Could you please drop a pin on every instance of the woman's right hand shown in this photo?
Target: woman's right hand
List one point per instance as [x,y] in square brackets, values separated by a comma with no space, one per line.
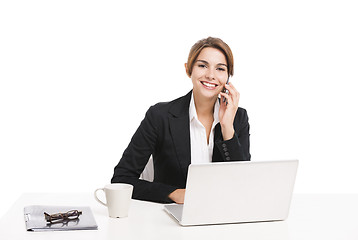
[178,196]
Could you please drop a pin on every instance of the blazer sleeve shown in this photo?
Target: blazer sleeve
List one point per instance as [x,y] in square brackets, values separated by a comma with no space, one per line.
[134,160]
[238,147]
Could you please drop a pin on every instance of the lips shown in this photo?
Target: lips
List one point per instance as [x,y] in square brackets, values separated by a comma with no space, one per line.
[209,85]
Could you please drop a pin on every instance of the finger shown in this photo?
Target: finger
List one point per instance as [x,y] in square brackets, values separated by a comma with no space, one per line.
[222,102]
[232,100]
[235,94]
[230,87]
[228,98]
[231,92]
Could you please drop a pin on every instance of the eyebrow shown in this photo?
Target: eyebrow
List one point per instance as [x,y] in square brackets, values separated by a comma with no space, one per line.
[220,64]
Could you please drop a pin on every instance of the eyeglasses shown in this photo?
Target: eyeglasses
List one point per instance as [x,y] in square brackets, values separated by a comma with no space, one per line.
[60,217]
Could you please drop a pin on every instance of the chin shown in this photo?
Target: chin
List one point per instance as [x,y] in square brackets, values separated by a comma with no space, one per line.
[209,94]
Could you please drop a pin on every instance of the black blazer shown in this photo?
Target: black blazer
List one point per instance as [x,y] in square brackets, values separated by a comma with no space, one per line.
[164,133]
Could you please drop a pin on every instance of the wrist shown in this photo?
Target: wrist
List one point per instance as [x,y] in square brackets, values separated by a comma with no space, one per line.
[227,133]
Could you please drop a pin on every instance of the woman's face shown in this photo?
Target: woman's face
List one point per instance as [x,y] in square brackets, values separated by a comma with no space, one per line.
[209,73]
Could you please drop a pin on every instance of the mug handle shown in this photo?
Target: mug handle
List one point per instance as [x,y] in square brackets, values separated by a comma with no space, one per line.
[95,196]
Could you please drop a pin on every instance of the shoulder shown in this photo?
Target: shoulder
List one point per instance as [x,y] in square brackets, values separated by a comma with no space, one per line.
[175,107]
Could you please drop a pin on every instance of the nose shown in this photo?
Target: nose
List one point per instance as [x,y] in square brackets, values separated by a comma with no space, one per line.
[210,73]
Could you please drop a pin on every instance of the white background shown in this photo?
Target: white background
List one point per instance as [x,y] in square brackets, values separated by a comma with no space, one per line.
[78,76]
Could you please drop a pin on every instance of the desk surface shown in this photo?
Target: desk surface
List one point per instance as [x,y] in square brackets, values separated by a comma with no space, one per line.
[311,217]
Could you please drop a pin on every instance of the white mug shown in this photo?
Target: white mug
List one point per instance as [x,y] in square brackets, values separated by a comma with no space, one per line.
[118,196]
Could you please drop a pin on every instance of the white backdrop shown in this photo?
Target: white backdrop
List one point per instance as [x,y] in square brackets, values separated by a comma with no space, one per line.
[78,76]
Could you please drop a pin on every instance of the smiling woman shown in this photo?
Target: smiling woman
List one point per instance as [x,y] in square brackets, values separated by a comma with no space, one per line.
[193,129]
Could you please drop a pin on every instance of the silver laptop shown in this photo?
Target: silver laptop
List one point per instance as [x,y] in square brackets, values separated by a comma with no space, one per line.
[236,192]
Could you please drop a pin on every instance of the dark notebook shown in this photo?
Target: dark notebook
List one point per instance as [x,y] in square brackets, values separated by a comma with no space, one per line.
[35,218]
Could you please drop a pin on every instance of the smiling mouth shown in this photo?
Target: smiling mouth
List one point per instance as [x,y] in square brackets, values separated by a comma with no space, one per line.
[209,85]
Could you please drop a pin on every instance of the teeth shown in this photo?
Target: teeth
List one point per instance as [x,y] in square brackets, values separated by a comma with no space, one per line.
[208,84]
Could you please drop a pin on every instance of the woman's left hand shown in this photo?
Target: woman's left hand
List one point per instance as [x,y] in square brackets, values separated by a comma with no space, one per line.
[228,110]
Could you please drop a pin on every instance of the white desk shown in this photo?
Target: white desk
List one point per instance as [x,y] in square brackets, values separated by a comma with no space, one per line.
[311,217]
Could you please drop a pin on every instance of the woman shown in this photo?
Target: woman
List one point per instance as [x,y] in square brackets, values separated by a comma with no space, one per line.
[195,128]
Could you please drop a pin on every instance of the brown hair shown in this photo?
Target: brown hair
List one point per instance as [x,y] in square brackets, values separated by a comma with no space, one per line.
[214,43]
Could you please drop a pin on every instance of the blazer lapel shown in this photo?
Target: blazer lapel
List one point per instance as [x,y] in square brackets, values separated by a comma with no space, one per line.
[179,127]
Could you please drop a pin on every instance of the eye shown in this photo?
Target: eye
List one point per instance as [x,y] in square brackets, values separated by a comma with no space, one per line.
[201,65]
[221,69]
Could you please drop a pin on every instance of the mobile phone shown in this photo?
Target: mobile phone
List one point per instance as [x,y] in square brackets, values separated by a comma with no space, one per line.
[225,91]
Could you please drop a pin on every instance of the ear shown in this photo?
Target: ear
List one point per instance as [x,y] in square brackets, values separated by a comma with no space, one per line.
[186,69]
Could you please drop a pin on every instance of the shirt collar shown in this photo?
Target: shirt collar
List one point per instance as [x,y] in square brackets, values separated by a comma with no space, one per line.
[192,109]
[193,114]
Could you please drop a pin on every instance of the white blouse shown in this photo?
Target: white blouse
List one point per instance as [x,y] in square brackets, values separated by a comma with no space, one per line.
[201,151]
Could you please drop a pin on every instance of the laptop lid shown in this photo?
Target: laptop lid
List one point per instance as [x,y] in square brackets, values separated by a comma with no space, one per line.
[232,192]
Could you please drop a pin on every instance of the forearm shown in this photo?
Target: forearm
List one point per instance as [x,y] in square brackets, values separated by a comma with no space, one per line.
[234,149]
[237,147]
[144,190]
